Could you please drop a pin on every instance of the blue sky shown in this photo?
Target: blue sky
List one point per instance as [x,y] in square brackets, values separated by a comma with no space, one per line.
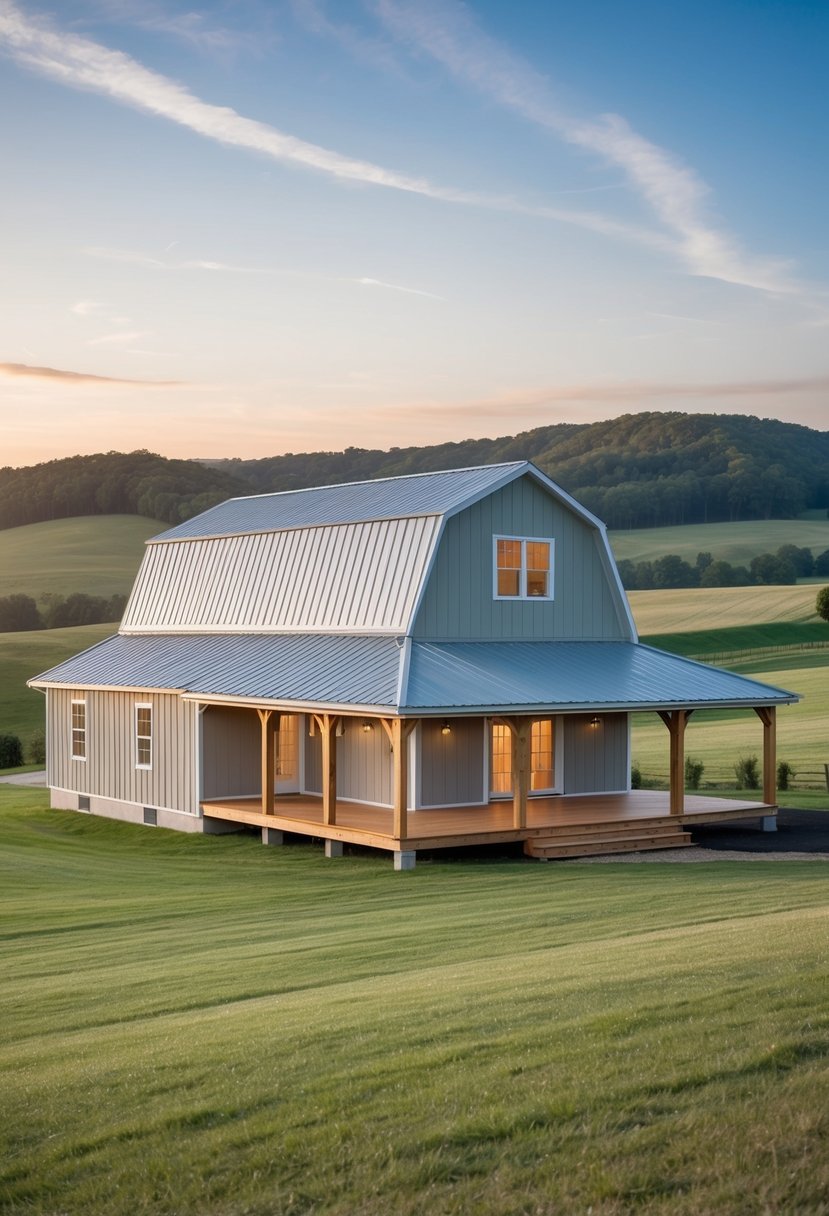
[258,227]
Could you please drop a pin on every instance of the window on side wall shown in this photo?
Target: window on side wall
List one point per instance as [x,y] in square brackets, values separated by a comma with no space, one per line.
[143,736]
[79,730]
[523,568]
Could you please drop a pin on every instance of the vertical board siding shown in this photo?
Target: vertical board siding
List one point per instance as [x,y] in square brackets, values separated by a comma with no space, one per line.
[313,762]
[458,601]
[231,752]
[364,763]
[109,769]
[452,766]
[595,757]
[346,576]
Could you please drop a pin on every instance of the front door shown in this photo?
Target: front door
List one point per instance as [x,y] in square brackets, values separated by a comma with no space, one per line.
[286,757]
[542,759]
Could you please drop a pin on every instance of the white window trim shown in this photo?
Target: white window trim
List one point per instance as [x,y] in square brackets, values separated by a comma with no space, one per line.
[522,576]
[143,705]
[77,701]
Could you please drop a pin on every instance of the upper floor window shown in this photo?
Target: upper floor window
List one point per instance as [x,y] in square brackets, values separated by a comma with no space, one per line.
[79,730]
[143,736]
[523,567]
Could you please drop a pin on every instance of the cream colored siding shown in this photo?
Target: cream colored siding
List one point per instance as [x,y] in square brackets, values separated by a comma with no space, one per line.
[451,766]
[231,752]
[344,577]
[595,756]
[109,769]
[364,763]
[459,604]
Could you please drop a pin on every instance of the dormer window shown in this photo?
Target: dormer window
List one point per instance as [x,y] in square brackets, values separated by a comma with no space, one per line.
[523,568]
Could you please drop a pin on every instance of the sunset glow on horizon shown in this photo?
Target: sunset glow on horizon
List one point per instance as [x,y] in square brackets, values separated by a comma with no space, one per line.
[247,230]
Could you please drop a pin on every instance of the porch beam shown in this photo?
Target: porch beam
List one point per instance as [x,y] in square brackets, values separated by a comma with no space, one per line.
[676,721]
[267,721]
[768,716]
[520,729]
[327,725]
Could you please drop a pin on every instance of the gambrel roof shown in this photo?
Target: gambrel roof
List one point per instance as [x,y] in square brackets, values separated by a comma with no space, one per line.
[307,599]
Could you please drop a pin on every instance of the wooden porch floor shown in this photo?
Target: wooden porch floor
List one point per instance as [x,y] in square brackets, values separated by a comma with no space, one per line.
[490,823]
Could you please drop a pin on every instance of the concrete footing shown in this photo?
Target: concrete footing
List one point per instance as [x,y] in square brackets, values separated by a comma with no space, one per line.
[272,836]
[333,848]
[405,860]
[769,823]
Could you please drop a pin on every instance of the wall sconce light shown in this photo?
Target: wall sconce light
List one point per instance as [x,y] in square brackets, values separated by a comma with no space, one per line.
[367,728]
[446,729]
[594,722]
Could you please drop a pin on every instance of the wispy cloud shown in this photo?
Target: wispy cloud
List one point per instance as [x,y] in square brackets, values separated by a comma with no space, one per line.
[17,370]
[676,195]
[528,402]
[409,291]
[191,27]
[84,64]
[136,258]
[122,338]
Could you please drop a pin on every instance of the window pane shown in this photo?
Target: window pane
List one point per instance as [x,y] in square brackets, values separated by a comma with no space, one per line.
[536,582]
[286,746]
[509,554]
[144,752]
[501,755]
[508,582]
[538,555]
[78,743]
[542,776]
[143,719]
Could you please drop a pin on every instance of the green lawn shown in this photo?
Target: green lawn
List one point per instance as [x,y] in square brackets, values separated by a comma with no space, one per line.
[23,655]
[737,543]
[95,554]
[202,1025]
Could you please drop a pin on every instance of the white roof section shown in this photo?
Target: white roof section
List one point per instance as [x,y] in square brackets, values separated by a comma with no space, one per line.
[439,493]
[361,577]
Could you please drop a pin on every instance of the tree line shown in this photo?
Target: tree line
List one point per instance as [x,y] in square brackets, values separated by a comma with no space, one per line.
[19,613]
[640,470]
[785,566]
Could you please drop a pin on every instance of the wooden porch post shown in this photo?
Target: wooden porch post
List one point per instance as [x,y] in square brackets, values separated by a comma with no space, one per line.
[768,716]
[398,731]
[327,724]
[267,721]
[676,720]
[521,735]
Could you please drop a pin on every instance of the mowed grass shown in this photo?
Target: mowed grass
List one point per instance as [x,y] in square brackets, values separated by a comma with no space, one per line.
[737,543]
[24,655]
[202,1025]
[96,554]
[706,608]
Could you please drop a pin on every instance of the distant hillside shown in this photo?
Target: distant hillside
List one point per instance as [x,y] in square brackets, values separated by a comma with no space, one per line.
[731,542]
[112,483]
[96,556]
[638,471]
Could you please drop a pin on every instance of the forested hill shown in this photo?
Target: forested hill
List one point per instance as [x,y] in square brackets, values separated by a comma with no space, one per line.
[640,470]
[112,483]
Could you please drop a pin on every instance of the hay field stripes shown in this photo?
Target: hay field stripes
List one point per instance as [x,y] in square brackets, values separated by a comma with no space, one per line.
[700,608]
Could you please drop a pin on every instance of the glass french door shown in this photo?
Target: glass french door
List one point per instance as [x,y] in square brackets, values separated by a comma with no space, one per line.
[542,759]
[286,754]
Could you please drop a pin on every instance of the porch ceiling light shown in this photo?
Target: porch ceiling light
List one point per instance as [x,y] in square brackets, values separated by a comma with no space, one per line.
[594,722]
[446,729]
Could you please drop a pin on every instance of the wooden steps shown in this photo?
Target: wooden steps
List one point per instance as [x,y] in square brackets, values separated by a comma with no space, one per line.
[591,840]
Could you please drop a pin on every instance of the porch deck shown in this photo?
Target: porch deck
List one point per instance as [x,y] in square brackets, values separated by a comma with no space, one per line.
[490,823]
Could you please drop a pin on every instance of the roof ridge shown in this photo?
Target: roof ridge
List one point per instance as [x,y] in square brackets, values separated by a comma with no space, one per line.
[369,481]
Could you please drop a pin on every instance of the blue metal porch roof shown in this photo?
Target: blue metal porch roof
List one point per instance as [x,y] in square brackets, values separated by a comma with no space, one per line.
[324,669]
[456,676]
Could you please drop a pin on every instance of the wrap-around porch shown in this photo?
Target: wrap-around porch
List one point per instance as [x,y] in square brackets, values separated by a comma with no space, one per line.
[557,825]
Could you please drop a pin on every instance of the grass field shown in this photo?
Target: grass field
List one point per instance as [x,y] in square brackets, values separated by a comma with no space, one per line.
[737,543]
[200,1025]
[694,608]
[97,554]
[23,655]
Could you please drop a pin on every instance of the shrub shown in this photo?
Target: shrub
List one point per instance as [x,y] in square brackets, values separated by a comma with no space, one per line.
[11,752]
[635,777]
[747,772]
[693,773]
[36,751]
[785,773]
[822,603]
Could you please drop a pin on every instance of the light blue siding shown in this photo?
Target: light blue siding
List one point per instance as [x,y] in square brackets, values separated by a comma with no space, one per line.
[595,756]
[452,766]
[458,602]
